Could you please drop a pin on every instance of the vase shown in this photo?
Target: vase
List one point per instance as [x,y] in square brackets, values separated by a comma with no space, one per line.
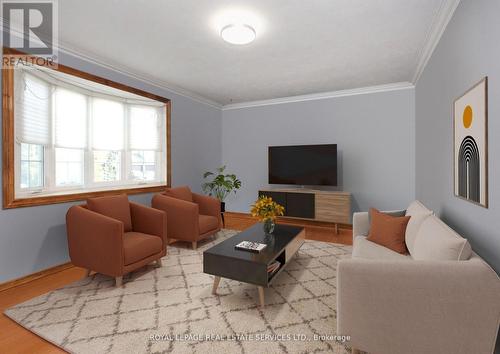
[269,226]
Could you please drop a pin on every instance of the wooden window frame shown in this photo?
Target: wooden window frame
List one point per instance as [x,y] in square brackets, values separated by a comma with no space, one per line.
[8,142]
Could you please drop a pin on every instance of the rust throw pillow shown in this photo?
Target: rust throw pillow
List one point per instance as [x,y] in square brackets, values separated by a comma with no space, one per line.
[388,231]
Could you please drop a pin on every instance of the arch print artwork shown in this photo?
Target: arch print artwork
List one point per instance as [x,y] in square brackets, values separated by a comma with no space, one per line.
[471,144]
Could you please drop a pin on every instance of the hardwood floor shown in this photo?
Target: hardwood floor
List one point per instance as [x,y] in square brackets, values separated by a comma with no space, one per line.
[16,339]
[319,231]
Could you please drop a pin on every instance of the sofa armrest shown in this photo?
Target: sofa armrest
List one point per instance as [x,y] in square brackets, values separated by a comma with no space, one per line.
[360,224]
[418,306]
[149,221]
[208,205]
[182,217]
[95,241]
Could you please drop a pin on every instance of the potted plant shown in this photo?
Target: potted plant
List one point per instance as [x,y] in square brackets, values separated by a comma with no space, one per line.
[267,211]
[220,185]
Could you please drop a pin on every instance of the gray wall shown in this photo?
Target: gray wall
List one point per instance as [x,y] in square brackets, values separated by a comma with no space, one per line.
[374,133]
[468,51]
[34,238]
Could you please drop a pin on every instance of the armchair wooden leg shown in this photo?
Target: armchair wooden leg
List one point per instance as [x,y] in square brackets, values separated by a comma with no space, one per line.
[194,244]
[158,262]
[119,281]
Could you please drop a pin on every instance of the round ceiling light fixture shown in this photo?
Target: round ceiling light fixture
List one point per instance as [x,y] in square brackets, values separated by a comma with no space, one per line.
[238,34]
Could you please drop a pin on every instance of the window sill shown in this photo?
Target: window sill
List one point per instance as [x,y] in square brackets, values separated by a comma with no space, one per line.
[71,197]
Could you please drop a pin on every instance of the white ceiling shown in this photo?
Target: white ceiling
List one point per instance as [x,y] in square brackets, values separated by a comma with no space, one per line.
[302,47]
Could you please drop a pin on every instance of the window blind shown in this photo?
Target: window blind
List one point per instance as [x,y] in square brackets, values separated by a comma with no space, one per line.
[144,128]
[32,110]
[70,119]
[107,124]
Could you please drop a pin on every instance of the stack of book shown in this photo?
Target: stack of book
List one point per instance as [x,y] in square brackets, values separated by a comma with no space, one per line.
[273,267]
[250,246]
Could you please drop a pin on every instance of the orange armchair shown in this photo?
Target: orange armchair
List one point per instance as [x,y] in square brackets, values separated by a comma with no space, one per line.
[191,217]
[113,236]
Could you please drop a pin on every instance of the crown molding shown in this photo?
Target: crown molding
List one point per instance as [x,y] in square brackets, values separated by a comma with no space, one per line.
[436,30]
[322,95]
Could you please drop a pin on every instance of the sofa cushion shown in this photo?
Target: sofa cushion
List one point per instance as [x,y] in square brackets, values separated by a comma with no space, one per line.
[208,223]
[137,246]
[116,207]
[418,213]
[416,207]
[388,231]
[183,193]
[363,248]
[437,241]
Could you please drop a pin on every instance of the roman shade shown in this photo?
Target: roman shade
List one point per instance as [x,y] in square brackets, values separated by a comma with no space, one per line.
[32,110]
[70,119]
[144,126]
[107,124]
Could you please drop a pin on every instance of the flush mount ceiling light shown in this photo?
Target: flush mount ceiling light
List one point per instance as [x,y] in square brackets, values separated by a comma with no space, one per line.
[238,34]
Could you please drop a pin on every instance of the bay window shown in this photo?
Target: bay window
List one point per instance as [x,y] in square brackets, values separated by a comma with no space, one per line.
[73,136]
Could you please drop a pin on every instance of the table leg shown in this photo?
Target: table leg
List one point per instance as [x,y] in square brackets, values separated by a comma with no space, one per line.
[261,296]
[216,284]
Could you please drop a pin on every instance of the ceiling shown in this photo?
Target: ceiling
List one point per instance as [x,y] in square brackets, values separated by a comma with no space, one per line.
[302,47]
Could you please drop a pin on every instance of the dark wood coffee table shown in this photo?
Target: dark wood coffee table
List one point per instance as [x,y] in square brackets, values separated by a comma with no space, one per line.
[223,260]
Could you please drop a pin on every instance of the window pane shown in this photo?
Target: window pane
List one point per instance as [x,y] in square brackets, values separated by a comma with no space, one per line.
[108,124]
[35,152]
[31,166]
[150,156]
[25,152]
[149,174]
[35,174]
[143,165]
[69,167]
[25,171]
[137,157]
[107,166]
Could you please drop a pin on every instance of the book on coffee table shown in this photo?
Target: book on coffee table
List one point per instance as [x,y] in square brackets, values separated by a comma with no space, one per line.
[251,246]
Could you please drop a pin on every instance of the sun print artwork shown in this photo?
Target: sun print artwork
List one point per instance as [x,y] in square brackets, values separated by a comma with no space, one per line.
[471,144]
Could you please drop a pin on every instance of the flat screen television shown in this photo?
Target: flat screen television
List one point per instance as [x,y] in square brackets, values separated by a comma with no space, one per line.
[307,165]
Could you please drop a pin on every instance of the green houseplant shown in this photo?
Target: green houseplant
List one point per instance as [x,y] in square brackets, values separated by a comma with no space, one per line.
[220,185]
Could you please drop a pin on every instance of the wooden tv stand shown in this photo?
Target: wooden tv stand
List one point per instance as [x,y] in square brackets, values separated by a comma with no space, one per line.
[312,204]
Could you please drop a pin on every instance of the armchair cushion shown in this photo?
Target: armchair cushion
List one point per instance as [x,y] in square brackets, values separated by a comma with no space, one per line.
[116,207]
[183,193]
[208,223]
[137,246]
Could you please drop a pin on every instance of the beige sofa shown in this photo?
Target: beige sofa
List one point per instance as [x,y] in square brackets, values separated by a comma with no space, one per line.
[441,298]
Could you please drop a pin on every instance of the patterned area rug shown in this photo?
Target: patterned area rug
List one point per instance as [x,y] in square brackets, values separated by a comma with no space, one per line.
[171,309]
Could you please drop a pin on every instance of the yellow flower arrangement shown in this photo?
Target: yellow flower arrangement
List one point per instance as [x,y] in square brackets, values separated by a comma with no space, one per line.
[266,209]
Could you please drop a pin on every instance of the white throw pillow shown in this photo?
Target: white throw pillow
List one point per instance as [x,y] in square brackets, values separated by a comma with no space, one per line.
[418,213]
[437,241]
